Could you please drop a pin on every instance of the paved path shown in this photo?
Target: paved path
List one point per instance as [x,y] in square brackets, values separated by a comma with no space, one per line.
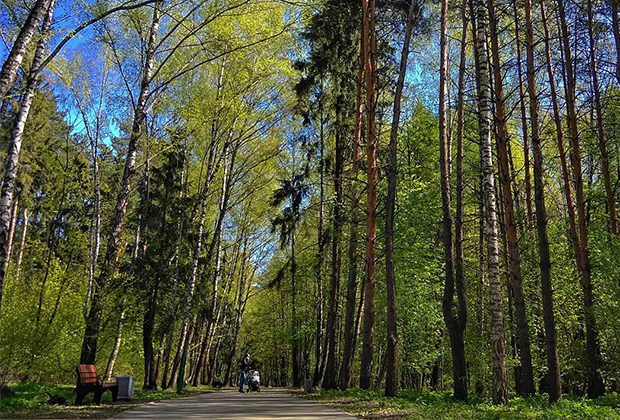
[231,404]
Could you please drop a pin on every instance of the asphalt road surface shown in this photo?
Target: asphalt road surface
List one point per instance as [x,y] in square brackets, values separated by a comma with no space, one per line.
[231,404]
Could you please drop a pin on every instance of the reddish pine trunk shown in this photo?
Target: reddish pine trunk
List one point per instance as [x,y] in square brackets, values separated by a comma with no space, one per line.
[369,55]
[616,31]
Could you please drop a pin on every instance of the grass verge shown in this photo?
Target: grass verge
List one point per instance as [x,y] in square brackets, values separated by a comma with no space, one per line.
[372,404]
[30,402]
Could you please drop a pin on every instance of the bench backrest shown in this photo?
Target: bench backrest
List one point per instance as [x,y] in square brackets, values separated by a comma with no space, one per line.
[87,374]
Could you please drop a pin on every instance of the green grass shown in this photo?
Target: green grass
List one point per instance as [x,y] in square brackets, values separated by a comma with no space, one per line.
[437,405]
[30,402]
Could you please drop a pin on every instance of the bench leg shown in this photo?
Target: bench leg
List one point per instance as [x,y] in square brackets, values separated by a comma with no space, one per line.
[114,393]
[98,396]
[79,398]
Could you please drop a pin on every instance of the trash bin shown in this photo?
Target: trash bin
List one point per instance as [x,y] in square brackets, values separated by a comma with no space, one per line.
[308,385]
[125,387]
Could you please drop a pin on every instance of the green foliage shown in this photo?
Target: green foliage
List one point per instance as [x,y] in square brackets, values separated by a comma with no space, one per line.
[440,405]
[418,258]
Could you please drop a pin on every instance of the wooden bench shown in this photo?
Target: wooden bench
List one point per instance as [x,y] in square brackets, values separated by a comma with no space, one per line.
[87,382]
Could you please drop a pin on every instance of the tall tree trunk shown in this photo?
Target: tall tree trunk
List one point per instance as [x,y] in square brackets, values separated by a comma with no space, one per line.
[512,236]
[17,136]
[349,332]
[109,370]
[19,49]
[454,324]
[242,298]
[458,222]
[602,140]
[319,257]
[122,316]
[557,118]
[216,248]
[22,243]
[93,320]
[596,387]
[95,237]
[391,384]
[214,366]
[212,321]
[193,349]
[148,327]
[11,232]
[152,289]
[370,64]
[498,339]
[616,30]
[553,364]
[295,347]
[282,348]
[213,164]
[329,381]
[444,158]
[183,342]
[158,362]
[480,193]
[174,304]
[524,126]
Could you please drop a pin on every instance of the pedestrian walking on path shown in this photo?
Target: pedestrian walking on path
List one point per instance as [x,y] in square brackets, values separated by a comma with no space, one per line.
[245,367]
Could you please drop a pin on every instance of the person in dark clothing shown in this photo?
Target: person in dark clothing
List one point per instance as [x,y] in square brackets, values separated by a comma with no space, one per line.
[244,366]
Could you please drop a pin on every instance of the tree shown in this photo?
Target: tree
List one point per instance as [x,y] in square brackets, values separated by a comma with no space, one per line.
[291,195]
[616,30]
[20,46]
[17,134]
[600,126]
[370,73]
[524,126]
[514,258]
[108,267]
[352,254]
[596,386]
[455,324]
[391,386]
[7,76]
[498,340]
[553,364]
